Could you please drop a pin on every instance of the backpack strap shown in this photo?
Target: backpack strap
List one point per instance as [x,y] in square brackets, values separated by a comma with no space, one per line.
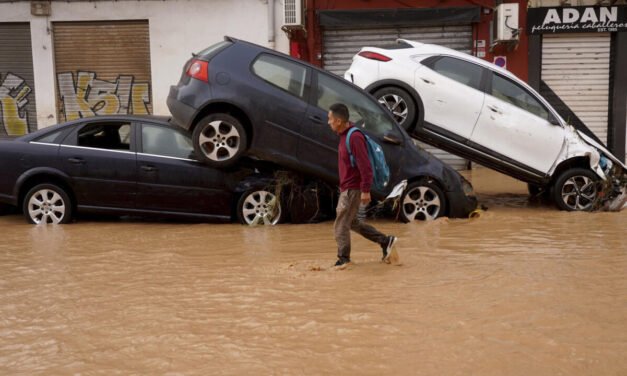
[348,145]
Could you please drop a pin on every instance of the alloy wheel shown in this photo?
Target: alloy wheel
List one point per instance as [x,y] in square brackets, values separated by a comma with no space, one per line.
[396,105]
[261,207]
[219,140]
[579,192]
[421,203]
[46,206]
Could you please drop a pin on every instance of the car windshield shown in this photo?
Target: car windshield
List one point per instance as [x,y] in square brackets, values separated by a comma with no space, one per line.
[364,112]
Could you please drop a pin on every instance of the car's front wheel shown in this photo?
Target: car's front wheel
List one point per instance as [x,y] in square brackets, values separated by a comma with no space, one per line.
[423,200]
[400,104]
[47,203]
[259,207]
[576,190]
[219,140]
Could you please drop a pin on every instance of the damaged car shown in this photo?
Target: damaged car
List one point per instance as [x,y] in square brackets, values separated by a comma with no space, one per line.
[240,99]
[142,166]
[479,111]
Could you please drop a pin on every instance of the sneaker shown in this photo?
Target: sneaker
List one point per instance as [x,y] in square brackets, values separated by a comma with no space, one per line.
[342,264]
[388,249]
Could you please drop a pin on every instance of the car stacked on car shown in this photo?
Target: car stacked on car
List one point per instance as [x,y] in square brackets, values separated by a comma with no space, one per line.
[477,110]
[240,99]
[251,120]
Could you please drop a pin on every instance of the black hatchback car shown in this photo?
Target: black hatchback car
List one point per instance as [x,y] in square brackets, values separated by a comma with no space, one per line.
[129,165]
[240,99]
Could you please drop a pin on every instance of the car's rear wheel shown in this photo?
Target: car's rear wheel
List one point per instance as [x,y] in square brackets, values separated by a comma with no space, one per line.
[423,200]
[400,104]
[259,207]
[47,203]
[219,140]
[576,190]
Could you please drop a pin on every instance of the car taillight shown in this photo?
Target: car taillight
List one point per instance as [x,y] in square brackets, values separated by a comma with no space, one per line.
[374,56]
[199,70]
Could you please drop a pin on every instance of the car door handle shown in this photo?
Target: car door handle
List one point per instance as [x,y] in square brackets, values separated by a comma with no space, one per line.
[427,81]
[316,119]
[77,161]
[148,168]
[495,109]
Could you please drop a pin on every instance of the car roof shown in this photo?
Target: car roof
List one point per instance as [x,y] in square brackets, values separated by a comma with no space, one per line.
[163,120]
[435,49]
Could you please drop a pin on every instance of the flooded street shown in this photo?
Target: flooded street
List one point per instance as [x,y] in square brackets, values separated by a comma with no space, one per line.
[523,290]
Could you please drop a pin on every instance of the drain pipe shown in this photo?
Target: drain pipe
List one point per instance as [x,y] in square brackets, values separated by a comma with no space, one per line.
[271,41]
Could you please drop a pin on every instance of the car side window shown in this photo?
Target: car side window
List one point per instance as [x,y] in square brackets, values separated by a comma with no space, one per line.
[364,111]
[158,140]
[51,138]
[509,91]
[281,73]
[461,71]
[111,136]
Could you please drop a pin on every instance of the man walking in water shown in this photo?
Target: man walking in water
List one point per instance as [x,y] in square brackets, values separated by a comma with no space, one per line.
[355,182]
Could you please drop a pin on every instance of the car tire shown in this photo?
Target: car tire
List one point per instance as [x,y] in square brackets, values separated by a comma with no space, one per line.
[47,203]
[260,207]
[576,190]
[400,104]
[422,200]
[219,140]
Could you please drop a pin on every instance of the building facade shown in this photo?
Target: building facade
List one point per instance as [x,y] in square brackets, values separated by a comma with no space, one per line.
[62,60]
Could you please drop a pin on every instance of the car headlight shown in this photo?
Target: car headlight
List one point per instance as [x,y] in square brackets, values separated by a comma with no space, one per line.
[467,187]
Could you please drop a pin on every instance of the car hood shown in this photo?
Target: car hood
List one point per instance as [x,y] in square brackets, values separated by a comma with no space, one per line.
[601,148]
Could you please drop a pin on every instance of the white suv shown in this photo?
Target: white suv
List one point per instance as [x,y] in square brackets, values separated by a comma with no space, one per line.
[479,111]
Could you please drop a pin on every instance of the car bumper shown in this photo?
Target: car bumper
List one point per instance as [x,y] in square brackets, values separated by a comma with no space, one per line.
[461,205]
[182,113]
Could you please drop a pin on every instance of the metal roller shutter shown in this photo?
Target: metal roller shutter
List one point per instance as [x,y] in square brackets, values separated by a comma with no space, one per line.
[102,68]
[341,45]
[18,114]
[577,69]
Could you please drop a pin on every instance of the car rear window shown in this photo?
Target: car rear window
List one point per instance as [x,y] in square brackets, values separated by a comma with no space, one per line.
[212,50]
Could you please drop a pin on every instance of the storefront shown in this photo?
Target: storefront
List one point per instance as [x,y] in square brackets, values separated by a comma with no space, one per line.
[102,68]
[577,60]
[17,97]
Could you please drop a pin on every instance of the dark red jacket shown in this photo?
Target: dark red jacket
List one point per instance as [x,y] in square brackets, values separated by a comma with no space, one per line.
[360,176]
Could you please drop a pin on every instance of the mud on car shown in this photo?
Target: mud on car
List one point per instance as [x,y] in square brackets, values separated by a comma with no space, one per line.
[479,111]
[240,99]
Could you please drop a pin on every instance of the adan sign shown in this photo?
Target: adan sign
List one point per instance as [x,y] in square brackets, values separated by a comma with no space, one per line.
[576,20]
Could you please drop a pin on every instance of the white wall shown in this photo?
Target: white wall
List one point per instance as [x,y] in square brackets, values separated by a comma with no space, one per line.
[177,28]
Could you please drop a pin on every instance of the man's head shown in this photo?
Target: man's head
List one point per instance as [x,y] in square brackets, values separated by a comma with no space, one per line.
[338,117]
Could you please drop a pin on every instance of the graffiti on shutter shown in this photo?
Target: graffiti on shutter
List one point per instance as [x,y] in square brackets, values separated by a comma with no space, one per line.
[88,96]
[14,93]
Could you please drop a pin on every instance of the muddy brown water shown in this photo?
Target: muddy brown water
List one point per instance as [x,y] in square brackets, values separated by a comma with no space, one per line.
[523,290]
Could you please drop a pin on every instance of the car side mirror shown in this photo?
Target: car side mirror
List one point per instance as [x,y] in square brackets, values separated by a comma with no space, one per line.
[391,139]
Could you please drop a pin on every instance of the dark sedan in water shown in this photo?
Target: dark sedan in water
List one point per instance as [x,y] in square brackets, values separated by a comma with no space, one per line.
[128,165]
